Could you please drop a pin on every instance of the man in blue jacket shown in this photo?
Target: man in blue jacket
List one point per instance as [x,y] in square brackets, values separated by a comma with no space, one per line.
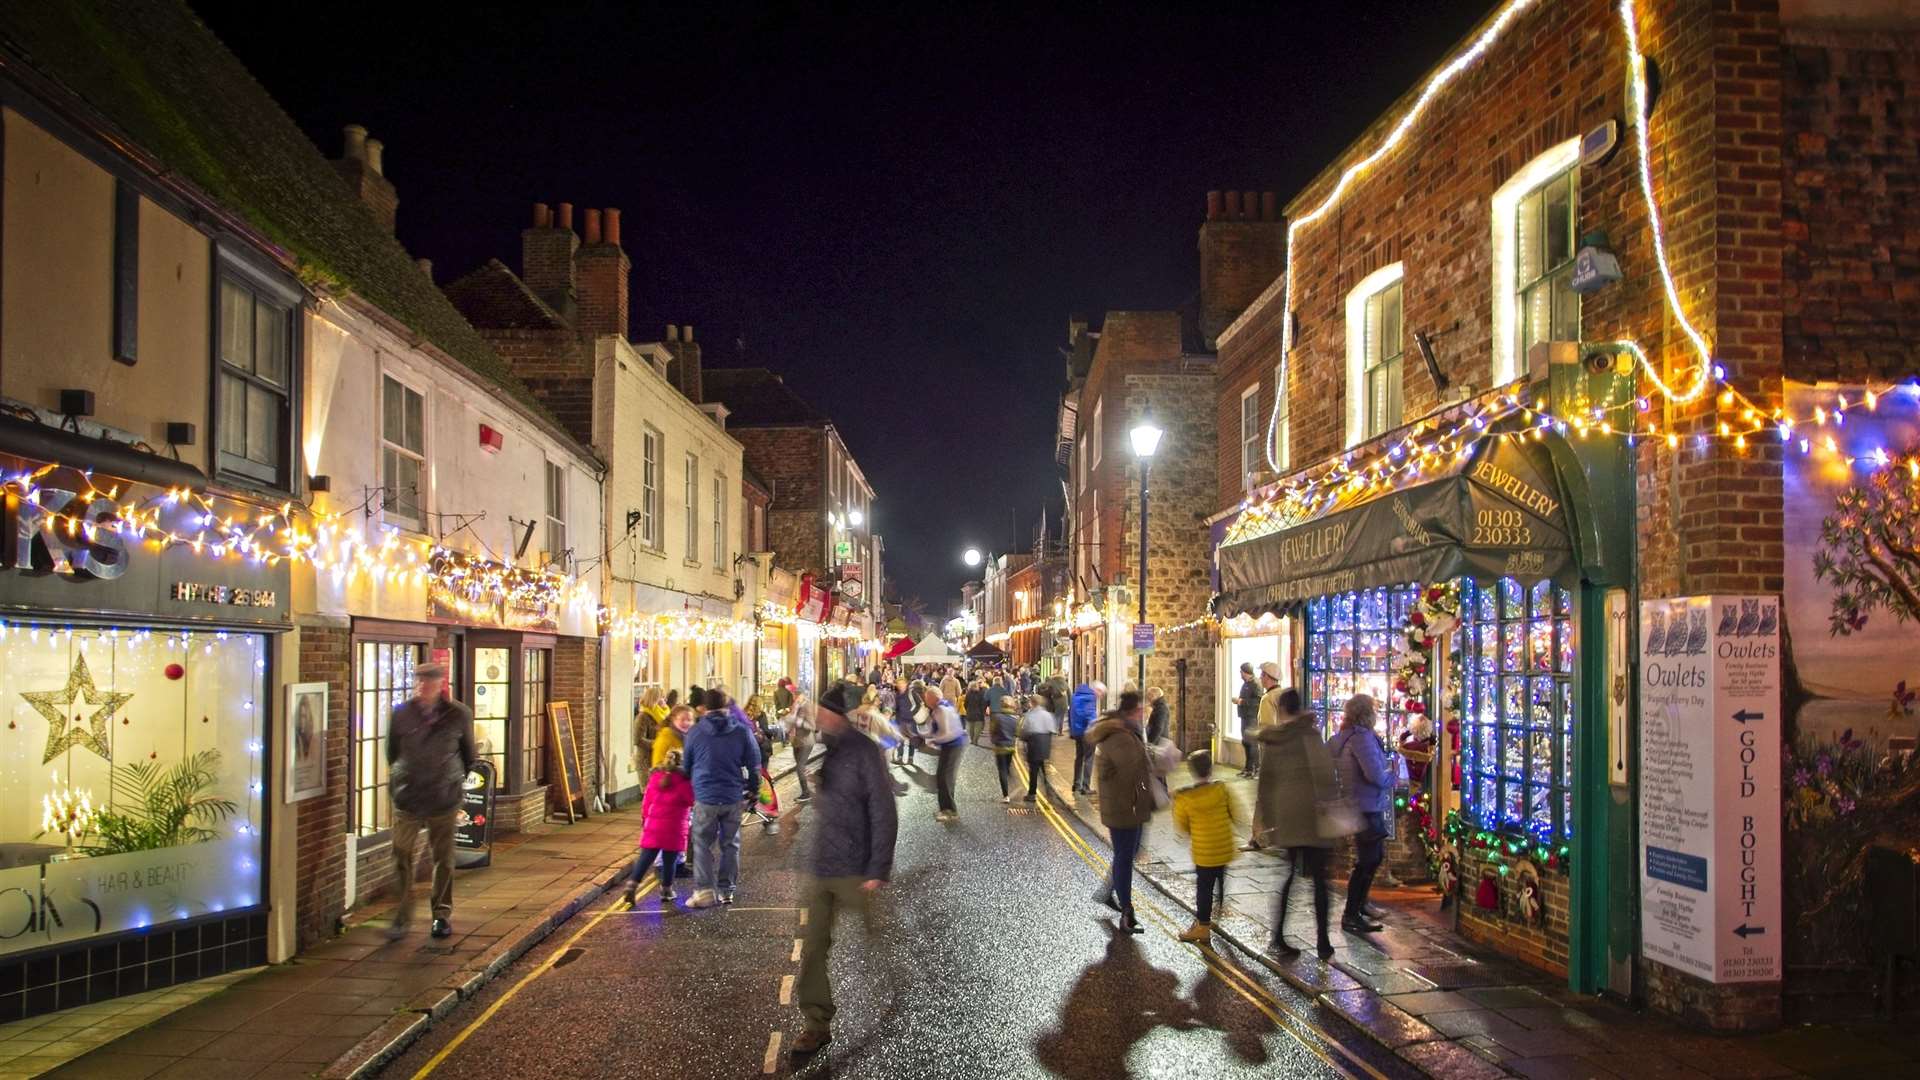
[723,761]
[1086,710]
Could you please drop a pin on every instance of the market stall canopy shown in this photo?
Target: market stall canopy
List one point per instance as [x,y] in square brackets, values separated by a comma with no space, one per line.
[1494,512]
[931,650]
[986,652]
[899,647]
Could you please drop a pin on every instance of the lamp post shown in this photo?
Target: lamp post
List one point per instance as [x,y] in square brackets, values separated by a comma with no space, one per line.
[1146,439]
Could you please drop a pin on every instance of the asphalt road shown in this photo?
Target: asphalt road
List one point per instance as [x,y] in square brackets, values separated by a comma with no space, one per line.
[986,957]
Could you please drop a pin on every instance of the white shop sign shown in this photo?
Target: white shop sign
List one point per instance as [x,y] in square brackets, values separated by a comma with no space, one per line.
[58,903]
[1710,786]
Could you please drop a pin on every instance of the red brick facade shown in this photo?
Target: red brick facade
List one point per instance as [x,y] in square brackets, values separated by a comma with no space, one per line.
[321,855]
[792,460]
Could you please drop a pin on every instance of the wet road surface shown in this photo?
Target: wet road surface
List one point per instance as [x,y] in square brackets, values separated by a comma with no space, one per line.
[985,957]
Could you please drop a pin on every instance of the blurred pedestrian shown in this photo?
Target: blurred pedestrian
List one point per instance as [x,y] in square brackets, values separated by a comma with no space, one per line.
[1362,760]
[1157,719]
[1126,799]
[723,760]
[975,706]
[663,827]
[783,697]
[950,686]
[1003,729]
[1297,776]
[854,826]
[1086,710]
[949,740]
[649,716]
[429,754]
[1247,703]
[1205,813]
[1037,729]
[800,734]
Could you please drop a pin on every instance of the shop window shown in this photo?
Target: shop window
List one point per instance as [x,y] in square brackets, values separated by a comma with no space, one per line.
[1535,229]
[403,454]
[114,731]
[535,691]
[1513,668]
[1350,640]
[254,387]
[382,682]
[493,706]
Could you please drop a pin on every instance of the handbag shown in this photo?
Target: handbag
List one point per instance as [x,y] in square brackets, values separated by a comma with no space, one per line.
[1338,816]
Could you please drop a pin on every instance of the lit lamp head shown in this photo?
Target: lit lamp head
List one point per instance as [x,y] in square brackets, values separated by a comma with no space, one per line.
[856,518]
[1145,437]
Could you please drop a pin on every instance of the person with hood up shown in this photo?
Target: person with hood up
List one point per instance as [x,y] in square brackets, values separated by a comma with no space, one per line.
[671,737]
[949,740]
[854,826]
[1296,774]
[724,763]
[1126,797]
[1085,709]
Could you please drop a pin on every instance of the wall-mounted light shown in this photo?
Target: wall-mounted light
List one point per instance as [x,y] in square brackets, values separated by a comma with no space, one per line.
[320,483]
[76,403]
[180,433]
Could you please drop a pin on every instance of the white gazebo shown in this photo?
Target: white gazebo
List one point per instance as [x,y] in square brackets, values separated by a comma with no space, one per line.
[932,649]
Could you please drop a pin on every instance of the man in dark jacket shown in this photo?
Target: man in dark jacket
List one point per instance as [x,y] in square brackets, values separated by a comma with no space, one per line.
[429,753]
[723,761]
[854,824]
[1247,703]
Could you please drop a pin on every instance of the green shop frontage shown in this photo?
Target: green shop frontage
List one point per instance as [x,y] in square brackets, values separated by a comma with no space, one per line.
[1477,586]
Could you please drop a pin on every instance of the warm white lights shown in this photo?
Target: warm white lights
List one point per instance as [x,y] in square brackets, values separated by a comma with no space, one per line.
[1145,437]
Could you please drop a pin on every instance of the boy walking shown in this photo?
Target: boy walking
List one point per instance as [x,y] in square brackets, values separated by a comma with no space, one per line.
[1205,813]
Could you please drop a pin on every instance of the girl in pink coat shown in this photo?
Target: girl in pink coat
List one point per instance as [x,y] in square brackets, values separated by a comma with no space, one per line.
[663,825]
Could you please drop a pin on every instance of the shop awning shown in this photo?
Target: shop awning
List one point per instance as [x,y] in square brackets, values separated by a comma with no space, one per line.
[1497,513]
[899,647]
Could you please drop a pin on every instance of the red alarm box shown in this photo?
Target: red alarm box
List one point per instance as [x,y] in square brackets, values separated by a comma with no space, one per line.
[490,439]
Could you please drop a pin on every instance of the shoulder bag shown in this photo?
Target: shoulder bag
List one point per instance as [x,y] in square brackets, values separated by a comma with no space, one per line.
[1337,816]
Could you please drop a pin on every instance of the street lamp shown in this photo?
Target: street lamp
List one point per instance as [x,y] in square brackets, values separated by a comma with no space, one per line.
[972,557]
[1146,439]
[855,518]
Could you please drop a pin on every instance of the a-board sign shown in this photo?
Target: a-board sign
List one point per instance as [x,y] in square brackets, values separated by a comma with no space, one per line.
[572,788]
[473,828]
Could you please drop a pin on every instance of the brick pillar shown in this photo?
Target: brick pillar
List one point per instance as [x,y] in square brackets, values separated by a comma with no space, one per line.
[576,680]
[320,834]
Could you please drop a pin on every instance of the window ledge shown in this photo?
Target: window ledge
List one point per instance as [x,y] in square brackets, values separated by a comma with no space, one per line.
[691,564]
[651,551]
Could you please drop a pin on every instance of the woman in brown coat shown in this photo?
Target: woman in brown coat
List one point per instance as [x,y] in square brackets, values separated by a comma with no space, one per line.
[1296,771]
[1126,799]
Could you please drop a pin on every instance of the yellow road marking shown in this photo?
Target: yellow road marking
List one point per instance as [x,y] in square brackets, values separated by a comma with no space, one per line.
[786,989]
[796,949]
[772,1060]
[1242,983]
[446,1051]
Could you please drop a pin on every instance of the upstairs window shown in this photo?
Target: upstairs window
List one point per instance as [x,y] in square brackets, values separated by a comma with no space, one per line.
[650,490]
[556,512]
[1249,434]
[1375,350]
[719,522]
[1545,239]
[254,384]
[692,493]
[403,454]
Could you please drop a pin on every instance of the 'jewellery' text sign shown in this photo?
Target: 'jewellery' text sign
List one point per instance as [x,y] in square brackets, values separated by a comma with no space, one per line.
[1710,786]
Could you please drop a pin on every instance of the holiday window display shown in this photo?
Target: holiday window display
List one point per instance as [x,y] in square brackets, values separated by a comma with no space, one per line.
[131,792]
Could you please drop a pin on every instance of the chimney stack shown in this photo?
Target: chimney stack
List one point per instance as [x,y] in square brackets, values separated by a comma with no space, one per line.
[673,332]
[684,370]
[546,258]
[360,165]
[612,226]
[1242,251]
[601,272]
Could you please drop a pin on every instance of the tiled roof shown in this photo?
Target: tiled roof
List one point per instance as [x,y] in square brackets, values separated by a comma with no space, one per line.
[756,397]
[152,69]
[494,297]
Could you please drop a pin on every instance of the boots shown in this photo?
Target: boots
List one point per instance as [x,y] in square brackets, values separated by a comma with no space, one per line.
[1197,934]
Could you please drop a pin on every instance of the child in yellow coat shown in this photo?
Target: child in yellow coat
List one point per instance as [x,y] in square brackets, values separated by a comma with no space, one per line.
[1205,813]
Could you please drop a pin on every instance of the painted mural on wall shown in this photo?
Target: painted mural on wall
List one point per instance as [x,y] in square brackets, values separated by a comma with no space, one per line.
[1852,694]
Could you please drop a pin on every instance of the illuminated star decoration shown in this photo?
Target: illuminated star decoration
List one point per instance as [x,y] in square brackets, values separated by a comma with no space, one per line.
[53,704]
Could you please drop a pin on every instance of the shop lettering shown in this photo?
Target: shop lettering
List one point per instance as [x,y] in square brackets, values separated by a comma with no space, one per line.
[41,537]
[1747,650]
[194,592]
[1501,528]
[1313,546]
[1407,522]
[1680,678]
[151,877]
[1516,489]
[23,913]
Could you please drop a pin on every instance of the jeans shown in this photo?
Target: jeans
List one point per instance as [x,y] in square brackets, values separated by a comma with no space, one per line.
[1252,747]
[1369,850]
[406,842]
[1039,751]
[802,750]
[824,899]
[1208,880]
[669,860]
[716,845]
[973,730]
[1082,764]
[1314,861]
[1003,761]
[1126,848]
[949,774]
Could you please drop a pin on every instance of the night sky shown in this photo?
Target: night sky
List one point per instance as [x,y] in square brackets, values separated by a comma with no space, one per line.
[897,211]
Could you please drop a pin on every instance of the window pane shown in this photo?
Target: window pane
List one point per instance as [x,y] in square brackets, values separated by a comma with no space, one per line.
[236,326]
[1559,221]
[1566,308]
[233,415]
[393,411]
[263,425]
[402,475]
[1390,321]
[416,437]
[270,343]
[1527,246]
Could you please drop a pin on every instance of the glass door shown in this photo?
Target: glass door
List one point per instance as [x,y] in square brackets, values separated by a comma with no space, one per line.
[535,691]
[492,670]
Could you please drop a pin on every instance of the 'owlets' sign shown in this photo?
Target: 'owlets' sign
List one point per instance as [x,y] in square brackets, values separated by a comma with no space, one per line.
[1710,786]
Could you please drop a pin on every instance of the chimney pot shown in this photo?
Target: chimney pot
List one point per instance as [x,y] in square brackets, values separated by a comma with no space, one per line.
[592,226]
[686,333]
[1269,206]
[1213,205]
[612,226]
[542,216]
[673,332]
[426,267]
[375,150]
[565,218]
[1233,204]
[356,142]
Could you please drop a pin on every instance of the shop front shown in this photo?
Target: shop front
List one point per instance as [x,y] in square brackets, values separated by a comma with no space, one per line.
[142,714]
[1458,600]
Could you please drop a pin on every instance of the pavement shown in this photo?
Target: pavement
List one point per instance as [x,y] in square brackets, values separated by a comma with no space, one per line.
[1454,1009]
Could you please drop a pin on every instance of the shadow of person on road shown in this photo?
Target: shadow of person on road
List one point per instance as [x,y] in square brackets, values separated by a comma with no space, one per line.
[1114,1004]
[1219,1006]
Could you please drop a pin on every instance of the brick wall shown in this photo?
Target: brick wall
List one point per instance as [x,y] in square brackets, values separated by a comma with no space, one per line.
[1239,257]
[1247,357]
[791,459]
[558,367]
[320,892]
[576,680]
[1501,929]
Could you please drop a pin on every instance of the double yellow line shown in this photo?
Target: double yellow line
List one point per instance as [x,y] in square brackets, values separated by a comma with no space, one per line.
[1283,1017]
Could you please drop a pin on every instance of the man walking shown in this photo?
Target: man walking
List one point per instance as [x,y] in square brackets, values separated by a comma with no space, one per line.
[855,824]
[1248,704]
[949,740]
[429,753]
[723,760]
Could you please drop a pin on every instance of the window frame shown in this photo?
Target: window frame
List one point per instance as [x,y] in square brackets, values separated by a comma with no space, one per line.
[652,506]
[1560,273]
[1358,398]
[230,266]
[1386,409]
[719,522]
[424,455]
[367,734]
[557,545]
[1508,361]
[690,489]
[1249,433]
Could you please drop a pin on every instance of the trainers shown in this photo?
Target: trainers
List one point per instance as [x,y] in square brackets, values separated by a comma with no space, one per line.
[629,895]
[397,931]
[809,1042]
[726,896]
[1131,925]
[804,799]
[703,898]
[1006,798]
[1197,933]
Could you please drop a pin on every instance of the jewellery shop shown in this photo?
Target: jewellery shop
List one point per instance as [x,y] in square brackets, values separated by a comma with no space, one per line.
[1468,601]
[137,679]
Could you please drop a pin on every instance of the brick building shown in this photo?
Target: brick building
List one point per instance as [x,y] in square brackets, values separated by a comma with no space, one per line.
[1449,321]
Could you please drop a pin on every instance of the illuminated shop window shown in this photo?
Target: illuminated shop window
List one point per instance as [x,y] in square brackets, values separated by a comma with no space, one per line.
[1513,668]
[1350,651]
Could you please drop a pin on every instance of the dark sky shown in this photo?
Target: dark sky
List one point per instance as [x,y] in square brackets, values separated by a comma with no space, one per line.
[897,209]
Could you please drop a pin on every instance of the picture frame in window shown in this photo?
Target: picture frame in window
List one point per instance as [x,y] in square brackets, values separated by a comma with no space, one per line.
[306,741]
